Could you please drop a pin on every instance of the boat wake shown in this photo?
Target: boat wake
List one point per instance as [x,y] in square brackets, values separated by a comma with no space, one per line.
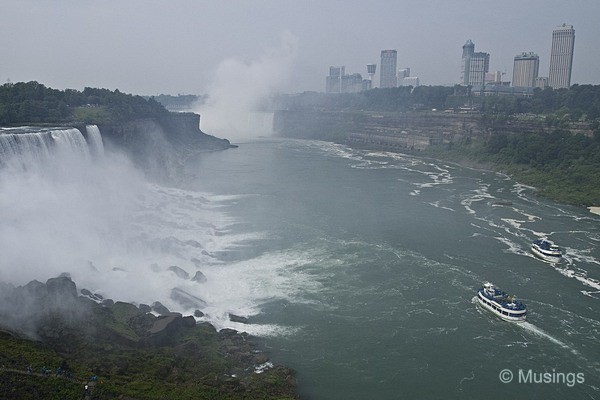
[528,326]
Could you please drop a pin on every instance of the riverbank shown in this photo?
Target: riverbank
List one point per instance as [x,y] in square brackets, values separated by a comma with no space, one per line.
[52,338]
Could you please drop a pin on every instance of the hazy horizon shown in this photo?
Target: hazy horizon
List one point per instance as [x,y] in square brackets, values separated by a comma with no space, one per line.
[152,48]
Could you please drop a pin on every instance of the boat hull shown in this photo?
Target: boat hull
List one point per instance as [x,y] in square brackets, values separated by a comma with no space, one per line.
[499,311]
[546,257]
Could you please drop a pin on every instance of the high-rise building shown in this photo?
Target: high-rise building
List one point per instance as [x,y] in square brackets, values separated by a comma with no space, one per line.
[468,51]
[525,69]
[561,56]
[387,71]
[333,83]
[474,65]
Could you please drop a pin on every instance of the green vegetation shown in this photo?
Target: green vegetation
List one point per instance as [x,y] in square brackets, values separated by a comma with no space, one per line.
[33,103]
[579,103]
[179,102]
[560,165]
[186,363]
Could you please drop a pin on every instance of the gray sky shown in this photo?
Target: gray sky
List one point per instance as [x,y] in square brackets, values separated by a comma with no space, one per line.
[152,47]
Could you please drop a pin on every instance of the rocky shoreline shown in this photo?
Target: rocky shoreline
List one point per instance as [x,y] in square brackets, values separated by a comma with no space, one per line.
[136,351]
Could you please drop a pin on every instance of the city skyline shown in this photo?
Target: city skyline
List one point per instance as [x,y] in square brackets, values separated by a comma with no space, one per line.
[189,47]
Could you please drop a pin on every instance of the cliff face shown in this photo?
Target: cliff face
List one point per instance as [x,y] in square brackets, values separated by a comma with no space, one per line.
[409,130]
[180,130]
[160,145]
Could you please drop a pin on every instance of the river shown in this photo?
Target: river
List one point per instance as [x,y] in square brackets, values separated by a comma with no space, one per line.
[364,266]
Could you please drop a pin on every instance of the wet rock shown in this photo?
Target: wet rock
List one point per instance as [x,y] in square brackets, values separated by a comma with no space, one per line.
[181,273]
[159,308]
[237,318]
[186,299]
[199,277]
[145,308]
[166,322]
[86,292]
[35,289]
[198,314]
[61,287]
[189,321]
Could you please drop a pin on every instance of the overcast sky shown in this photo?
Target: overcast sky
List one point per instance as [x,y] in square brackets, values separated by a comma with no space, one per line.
[153,47]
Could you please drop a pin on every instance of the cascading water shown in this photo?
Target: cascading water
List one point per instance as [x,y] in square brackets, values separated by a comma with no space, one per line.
[69,206]
[31,147]
[94,139]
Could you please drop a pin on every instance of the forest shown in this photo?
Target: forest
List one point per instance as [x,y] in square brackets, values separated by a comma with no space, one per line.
[580,102]
[33,103]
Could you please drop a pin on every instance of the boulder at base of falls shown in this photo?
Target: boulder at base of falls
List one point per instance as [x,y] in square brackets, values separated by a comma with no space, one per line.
[199,277]
[186,299]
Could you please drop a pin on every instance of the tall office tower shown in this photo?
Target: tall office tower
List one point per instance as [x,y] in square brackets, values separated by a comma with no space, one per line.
[525,69]
[474,65]
[468,51]
[333,83]
[387,71]
[561,56]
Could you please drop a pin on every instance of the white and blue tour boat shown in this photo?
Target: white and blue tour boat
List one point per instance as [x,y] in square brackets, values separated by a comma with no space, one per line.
[503,305]
[546,250]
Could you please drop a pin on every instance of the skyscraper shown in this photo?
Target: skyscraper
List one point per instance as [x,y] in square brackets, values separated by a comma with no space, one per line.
[561,56]
[525,69]
[468,51]
[474,65]
[333,83]
[387,77]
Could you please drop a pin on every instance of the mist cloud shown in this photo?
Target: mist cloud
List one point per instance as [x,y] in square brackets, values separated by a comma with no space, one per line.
[240,86]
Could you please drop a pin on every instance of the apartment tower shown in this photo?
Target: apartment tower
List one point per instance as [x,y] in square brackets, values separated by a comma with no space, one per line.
[525,70]
[387,71]
[474,65]
[561,57]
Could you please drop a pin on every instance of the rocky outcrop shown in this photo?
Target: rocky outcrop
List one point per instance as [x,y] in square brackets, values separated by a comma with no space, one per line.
[121,342]
[181,130]
[159,144]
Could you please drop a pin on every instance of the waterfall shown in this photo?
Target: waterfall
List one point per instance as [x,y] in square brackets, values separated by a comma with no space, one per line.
[94,140]
[31,146]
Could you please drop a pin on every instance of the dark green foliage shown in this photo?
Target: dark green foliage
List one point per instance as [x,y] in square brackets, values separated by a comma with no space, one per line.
[186,361]
[560,165]
[32,102]
[179,102]
[580,102]
[388,99]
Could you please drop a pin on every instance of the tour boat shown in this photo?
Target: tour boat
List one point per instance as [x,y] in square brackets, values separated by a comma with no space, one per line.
[546,250]
[503,305]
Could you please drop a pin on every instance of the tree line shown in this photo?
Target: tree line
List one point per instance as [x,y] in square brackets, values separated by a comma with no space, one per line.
[580,102]
[32,102]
